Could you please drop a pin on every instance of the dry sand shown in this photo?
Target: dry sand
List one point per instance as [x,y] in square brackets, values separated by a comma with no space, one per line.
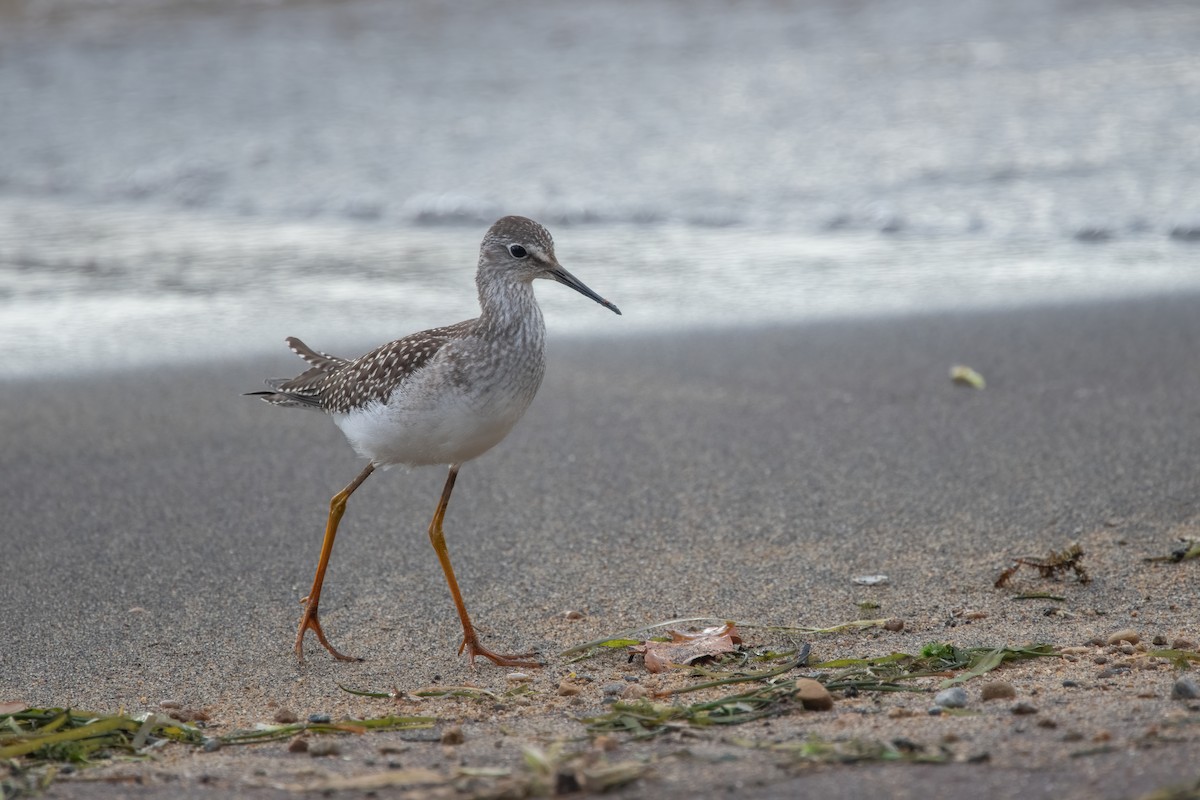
[159,529]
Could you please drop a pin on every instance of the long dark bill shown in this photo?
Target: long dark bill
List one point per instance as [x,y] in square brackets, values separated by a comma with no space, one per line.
[562,276]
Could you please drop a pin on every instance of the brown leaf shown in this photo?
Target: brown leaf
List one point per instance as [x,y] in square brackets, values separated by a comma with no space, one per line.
[684,648]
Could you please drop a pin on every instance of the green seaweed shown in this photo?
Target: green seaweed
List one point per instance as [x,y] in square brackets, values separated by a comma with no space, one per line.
[34,740]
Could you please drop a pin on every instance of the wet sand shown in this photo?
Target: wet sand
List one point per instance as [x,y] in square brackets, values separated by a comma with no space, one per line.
[160,529]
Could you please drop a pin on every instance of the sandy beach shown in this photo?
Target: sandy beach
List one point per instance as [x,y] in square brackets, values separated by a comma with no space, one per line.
[160,529]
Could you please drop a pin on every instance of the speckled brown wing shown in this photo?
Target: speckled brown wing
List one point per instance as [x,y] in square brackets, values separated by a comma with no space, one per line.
[336,384]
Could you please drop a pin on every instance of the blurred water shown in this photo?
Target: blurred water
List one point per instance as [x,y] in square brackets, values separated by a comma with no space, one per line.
[183,180]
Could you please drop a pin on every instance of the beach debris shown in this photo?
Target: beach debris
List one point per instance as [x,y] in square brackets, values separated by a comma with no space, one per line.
[1190,549]
[812,695]
[963,375]
[954,697]
[1124,635]
[997,690]
[1185,688]
[684,648]
[636,636]
[870,580]
[1052,566]
[814,749]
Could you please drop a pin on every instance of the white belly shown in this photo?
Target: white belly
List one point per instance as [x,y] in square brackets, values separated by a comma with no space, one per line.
[432,420]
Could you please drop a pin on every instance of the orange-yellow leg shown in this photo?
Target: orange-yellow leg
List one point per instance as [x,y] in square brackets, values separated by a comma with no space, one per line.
[337,507]
[470,639]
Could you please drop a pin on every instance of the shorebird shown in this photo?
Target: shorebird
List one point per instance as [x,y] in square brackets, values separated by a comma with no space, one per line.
[441,396]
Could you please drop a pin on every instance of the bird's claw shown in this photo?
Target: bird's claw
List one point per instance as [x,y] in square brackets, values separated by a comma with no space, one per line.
[311,622]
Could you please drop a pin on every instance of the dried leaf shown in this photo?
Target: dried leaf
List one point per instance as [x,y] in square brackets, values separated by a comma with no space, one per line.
[684,648]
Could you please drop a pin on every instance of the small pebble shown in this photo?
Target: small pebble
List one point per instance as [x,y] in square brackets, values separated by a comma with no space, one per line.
[453,735]
[319,719]
[1024,708]
[812,695]
[518,677]
[285,717]
[1046,722]
[1160,640]
[1070,684]
[1100,660]
[568,689]
[1185,688]
[1183,644]
[1126,635]
[635,691]
[613,689]
[997,690]
[170,704]
[606,743]
[298,745]
[935,711]
[212,745]
[572,614]
[323,747]
[894,625]
[954,697]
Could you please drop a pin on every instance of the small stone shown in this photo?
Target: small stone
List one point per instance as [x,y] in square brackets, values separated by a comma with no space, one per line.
[518,677]
[1100,660]
[285,717]
[613,689]
[298,745]
[1046,722]
[1185,688]
[1159,640]
[212,745]
[323,747]
[1128,649]
[635,691]
[1126,635]
[1070,684]
[894,625]
[606,743]
[453,735]
[1183,644]
[170,704]
[319,719]
[572,614]
[1024,708]
[954,697]
[568,689]
[899,712]
[935,711]
[812,695]
[997,690]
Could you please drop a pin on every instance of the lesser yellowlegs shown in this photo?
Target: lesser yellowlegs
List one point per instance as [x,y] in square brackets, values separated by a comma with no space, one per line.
[441,396]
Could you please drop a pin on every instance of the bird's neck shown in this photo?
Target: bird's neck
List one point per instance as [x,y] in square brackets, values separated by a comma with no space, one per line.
[509,308]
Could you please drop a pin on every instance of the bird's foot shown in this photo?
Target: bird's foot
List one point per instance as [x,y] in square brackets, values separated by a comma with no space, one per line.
[473,648]
[310,622]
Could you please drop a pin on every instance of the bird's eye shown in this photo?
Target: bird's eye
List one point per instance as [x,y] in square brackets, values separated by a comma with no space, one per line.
[516,251]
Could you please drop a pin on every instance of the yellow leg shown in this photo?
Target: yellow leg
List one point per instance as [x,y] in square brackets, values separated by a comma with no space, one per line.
[470,640]
[337,507]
